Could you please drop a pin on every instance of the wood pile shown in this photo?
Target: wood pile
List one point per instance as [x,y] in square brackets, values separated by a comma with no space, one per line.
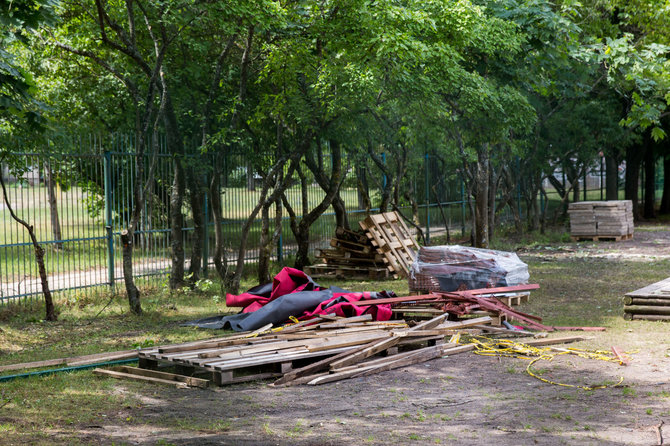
[351,255]
[650,303]
[390,236]
[489,301]
[384,248]
[601,220]
[342,348]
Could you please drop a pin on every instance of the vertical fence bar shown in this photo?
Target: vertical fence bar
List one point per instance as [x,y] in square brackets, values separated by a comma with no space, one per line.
[107,162]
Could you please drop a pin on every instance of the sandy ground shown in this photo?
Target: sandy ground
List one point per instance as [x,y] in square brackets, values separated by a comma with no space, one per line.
[463,400]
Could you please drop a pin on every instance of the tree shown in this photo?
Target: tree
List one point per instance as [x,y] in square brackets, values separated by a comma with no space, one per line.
[18,106]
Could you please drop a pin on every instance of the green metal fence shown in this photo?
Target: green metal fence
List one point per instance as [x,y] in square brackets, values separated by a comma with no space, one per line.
[79,198]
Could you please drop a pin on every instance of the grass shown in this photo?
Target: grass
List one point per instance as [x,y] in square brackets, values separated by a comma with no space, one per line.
[574,291]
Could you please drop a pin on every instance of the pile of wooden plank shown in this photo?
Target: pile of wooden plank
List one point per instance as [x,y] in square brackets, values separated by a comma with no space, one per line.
[650,303]
[342,348]
[392,239]
[385,248]
[485,301]
[601,220]
[351,255]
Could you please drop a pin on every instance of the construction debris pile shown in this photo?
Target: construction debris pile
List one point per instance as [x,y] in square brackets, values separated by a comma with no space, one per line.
[450,268]
[601,220]
[352,256]
[650,303]
[342,346]
[330,347]
[384,248]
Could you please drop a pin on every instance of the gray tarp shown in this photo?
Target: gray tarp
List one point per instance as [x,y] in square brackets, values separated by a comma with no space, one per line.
[275,312]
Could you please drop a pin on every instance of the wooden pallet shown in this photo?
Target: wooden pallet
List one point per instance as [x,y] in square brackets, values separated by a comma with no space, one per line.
[343,272]
[391,237]
[310,344]
[600,238]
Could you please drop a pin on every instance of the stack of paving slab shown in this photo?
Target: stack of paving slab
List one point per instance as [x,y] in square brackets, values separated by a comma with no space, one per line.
[601,220]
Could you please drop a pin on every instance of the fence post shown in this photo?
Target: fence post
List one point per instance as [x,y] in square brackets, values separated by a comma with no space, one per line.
[425,168]
[107,170]
[205,238]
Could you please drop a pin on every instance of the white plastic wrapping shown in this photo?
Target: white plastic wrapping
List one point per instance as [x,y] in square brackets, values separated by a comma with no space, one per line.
[453,267]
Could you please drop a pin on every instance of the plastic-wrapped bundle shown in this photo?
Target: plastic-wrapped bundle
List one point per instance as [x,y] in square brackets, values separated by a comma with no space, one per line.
[449,268]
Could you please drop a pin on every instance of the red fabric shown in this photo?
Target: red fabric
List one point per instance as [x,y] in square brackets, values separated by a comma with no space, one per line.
[245,300]
[344,308]
[291,280]
[288,280]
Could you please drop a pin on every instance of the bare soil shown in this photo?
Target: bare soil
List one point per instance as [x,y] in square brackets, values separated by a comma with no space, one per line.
[463,400]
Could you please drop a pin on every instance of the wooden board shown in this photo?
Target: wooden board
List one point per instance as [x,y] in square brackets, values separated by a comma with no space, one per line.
[657,290]
[152,376]
[392,239]
[343,272]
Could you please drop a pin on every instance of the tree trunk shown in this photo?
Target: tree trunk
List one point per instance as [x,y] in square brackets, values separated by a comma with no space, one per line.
[199,226]
[633,160]
[363,190]
[234,282]
[481,188]
[665,200]
[39,257]
[611,178]
[301,232]
[127,256]
[341,217]
[53,205]
[264,249]
[650,181]
[220,260]
[493,191]
[177,225]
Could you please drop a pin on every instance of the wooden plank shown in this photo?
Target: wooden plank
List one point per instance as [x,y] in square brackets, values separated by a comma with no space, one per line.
[189,380]
[418,356]
[657,290]
[73,361]
[554,341]
[33,365]
[387,343]
[133,377]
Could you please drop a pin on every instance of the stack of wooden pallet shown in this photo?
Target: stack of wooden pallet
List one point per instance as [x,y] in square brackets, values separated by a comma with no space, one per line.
[392,239]
[650,303]
[601,220]
[384,249]
[341,347]
[351,256]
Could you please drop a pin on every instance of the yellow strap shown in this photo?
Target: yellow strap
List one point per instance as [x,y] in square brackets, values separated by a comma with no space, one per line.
[507,348]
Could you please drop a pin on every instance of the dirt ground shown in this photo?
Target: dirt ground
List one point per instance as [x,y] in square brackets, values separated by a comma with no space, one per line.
[464,400]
